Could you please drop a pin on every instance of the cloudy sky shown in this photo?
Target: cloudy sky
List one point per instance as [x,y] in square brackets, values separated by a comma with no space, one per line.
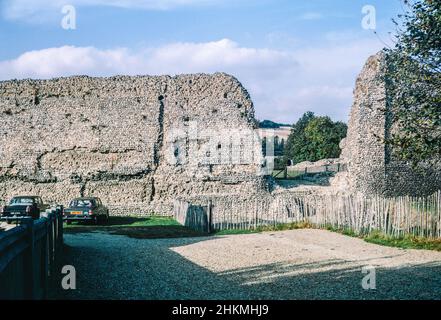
[291,55]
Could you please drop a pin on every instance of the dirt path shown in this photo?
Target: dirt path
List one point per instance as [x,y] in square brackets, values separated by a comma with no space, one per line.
[299,264]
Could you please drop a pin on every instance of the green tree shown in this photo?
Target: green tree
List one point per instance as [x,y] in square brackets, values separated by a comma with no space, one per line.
[323,137]
[313,138]
[295,148]
[414,83]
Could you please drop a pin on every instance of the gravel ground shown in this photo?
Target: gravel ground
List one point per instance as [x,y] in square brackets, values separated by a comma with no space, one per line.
[298,264]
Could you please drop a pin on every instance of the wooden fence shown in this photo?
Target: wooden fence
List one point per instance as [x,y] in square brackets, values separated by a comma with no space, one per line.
[197,217]
[29,254]
[296,174]
[418,216]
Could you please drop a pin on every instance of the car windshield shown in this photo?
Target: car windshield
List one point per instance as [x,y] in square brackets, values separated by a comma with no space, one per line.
[21,201]
[82,203]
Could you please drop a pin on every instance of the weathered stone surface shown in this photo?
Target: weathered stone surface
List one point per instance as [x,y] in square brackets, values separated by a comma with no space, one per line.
[372,168]
[141,142]
[134,141]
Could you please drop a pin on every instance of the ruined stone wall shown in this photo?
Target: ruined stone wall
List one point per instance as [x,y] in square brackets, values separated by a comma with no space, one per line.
[372,168]
[136,142]
[363,149]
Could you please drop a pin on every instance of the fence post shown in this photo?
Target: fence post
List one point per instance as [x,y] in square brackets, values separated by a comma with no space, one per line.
[51,233]
[58,241]
[29,265]
[59,218]
[46,256]
[209,213]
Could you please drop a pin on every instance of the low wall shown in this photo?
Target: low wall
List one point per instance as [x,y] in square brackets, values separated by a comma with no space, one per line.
[29,254]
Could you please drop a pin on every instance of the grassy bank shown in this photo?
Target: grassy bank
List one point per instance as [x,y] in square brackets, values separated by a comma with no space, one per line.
[405,242]
[278,227]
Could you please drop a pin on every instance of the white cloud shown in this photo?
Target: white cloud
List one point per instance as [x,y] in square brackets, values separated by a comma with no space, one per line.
[283,84]
[31,10]
[63,61]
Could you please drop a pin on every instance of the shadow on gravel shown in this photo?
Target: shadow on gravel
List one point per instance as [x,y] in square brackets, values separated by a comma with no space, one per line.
[339,281]
[137,227]
[110,267]
[152,232]
[157,232]
[156,271]
[118,221]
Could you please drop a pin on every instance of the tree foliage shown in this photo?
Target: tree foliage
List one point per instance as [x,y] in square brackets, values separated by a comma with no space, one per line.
[268,124]
[414,83]
[314,138]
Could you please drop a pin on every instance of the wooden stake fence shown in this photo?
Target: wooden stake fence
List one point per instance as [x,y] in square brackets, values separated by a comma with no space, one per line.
[395,217]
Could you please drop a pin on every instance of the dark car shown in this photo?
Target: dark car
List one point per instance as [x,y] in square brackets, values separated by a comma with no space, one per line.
[84,209]
[24,206]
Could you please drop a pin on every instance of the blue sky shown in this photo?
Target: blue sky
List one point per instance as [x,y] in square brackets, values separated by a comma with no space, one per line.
[291,55]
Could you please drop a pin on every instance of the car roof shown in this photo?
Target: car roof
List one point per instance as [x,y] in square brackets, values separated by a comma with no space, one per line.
[86,198]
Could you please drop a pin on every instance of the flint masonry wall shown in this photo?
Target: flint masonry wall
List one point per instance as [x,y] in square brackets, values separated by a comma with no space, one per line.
[136,142]
[372,167]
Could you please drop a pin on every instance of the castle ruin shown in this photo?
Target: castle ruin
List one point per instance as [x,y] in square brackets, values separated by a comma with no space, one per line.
[141,142]
[372,166]
[136,142]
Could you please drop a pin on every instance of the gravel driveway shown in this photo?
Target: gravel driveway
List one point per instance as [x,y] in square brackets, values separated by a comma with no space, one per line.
[298,264]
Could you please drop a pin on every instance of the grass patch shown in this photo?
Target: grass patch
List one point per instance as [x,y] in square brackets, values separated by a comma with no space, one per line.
[290,174]
[406,242]
[158,232]
[277,227]
[235,231]
[129,221]
[345,231]
[152,227]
